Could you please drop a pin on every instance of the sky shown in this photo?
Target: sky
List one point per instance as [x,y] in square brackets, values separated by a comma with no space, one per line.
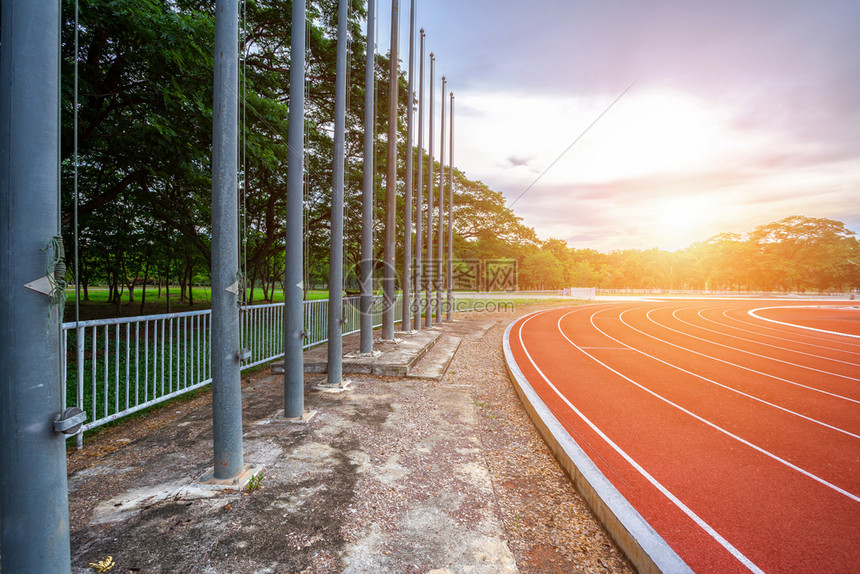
[641,124]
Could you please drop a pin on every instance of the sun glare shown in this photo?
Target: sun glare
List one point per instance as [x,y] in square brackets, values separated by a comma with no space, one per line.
[681,214]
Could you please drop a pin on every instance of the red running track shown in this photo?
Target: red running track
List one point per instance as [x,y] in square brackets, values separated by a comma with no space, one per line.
[735,438]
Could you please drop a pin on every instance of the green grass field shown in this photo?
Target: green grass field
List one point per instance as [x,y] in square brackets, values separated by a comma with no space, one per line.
[98,307]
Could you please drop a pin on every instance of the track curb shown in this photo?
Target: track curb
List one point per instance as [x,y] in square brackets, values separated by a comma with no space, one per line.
[639,542]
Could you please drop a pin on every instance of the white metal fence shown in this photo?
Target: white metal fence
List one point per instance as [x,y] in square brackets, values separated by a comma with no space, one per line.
[115,367]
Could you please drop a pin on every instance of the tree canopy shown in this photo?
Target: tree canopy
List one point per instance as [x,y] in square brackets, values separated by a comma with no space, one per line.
[144,121]
[794,254]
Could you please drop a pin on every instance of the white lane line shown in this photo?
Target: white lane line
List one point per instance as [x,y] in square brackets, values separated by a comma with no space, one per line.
[648,315]
[762,373]
[757,316]
[738,555]
[715,426]
[713,382]
[758,334]
[604,499]
[787,331]
[607,348]
[760,343]
[774,377]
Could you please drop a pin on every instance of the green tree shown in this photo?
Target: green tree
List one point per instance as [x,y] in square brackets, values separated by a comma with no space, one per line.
[541,270]
[804,252]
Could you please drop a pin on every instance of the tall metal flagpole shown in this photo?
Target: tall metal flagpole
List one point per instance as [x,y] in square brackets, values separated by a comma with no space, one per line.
[391,182]
[419,200]
[226,377]
[449,314]
[366,318]
[335,266]
[33,485]
[441,243]
[431,268]
[294,375]
[408,275]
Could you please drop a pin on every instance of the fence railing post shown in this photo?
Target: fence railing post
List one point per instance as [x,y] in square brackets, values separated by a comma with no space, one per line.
[80,343]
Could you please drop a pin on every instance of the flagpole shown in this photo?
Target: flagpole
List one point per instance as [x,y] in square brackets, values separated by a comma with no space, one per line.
[428,319]
[406,314]
[450,308]
[391,183]
[441,237]
[366,301]
[335,266]
[419,200]
[294,326]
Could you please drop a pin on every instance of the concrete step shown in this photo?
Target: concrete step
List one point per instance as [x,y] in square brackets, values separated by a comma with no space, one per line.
[390,358]
[435,363]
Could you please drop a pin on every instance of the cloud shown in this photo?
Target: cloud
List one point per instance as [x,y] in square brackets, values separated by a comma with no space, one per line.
[672,211]
[520,161]
[774,84]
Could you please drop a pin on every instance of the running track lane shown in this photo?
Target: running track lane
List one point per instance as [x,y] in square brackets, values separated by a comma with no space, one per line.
[737,439]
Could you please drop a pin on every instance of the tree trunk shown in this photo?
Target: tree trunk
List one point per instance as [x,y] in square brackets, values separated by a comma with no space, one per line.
[253,284]
[272,288]
[145,279]
[130,284]
[131,287]
[167,286]
[117,293]
[189,267]
[183,285]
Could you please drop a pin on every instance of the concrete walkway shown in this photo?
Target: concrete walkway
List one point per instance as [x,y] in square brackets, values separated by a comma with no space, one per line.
[388,477]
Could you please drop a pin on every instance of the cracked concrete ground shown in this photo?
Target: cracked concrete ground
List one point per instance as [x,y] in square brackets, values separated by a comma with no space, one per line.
[397,475]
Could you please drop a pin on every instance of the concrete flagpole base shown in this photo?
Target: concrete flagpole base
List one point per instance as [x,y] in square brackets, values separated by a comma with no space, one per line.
[343,386]
[239,482]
